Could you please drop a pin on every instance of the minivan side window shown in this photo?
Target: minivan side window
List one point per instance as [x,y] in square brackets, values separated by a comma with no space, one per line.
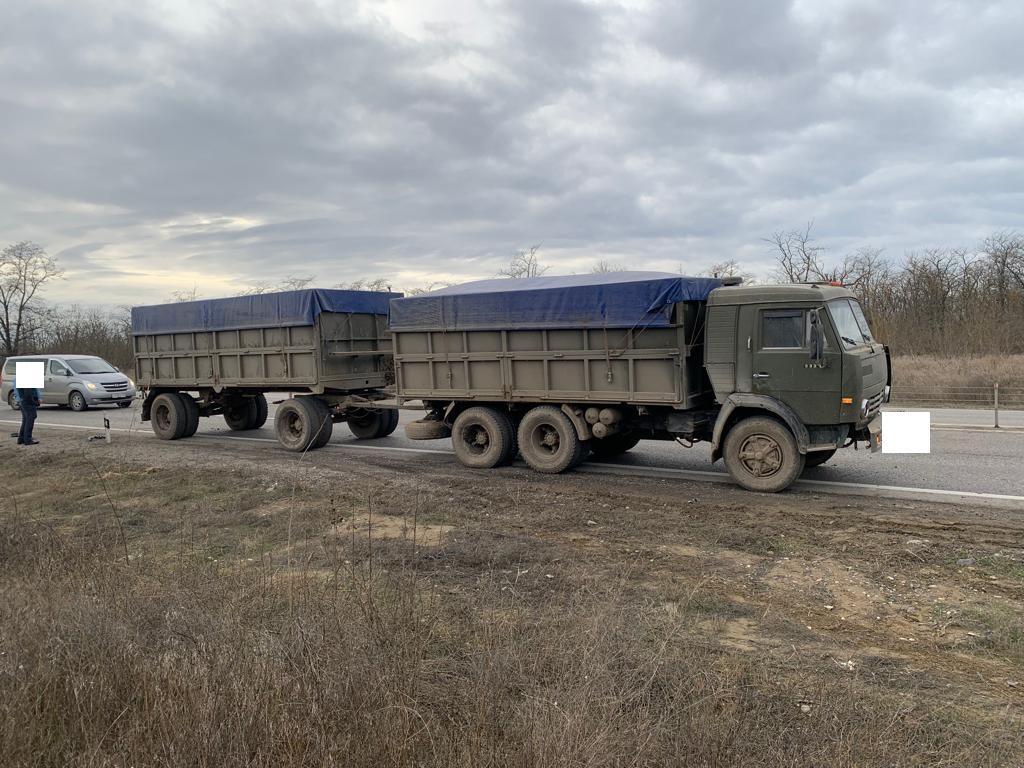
[57,368]
[9,367]
[782,329]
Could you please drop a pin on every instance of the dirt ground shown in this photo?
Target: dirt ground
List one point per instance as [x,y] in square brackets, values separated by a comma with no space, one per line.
[864,631]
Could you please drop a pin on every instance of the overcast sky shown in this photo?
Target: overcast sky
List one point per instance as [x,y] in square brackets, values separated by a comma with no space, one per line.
[153,146]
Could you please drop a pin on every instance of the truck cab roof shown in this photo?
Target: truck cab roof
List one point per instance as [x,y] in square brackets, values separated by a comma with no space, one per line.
[760,294]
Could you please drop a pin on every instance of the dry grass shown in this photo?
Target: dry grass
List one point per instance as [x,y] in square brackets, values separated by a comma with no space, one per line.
[202,618]
[959,381]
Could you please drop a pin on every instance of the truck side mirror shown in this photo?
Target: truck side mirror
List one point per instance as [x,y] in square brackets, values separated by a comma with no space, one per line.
[817,337]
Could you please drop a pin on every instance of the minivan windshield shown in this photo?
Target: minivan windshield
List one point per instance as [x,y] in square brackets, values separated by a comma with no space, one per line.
[91,365]
[850,322]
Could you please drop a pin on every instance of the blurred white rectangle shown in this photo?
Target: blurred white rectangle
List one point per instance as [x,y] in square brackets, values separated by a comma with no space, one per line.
[906,432]
[28,375]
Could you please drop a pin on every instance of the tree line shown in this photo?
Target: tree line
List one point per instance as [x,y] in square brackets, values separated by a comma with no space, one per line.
[940,301]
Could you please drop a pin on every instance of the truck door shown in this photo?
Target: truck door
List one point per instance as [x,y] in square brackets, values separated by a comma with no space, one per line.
[782,366]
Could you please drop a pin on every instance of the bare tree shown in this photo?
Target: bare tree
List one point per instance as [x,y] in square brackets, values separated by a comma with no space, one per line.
[730,268]
[798,258]
[181,296]
[366,284]
[24,269]
[604,267]
[289,283]
[524,264]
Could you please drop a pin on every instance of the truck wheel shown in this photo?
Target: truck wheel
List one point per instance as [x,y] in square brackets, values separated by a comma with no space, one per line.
[77,402]
[193,414]
[483,438]
[427,429]
[817,458]
[548,441]
[258,411]
[613,445]
[169,416]
[761,454]
[302,424]
[323,418]
[374,424]
[238,413]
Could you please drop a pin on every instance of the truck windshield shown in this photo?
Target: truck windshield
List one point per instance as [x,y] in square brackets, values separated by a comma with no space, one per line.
[91,365]
[850,322]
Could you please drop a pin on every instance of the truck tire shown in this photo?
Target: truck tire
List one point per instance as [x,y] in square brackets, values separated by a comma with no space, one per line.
[169,416]
[548,441]
[192,411]
[323,417]
[483,438]
[302,424]
[427,429]
[761,454]
[613,445]
[375,423]
[238,413]
[817,458]
[258,411]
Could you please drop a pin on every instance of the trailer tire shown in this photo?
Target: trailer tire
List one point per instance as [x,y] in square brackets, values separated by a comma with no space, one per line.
[614,445]
[192,409]
[303,424]
[548,441]
[258,411]
[427,429]
[238,413]
[761,454]
[817,458]
[483,438]
[169,416]
[376,423]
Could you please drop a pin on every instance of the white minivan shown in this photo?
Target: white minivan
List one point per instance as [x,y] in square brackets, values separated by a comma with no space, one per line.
[75,381]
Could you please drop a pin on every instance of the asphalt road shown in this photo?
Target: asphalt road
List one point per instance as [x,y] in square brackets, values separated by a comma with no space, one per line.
[967,454]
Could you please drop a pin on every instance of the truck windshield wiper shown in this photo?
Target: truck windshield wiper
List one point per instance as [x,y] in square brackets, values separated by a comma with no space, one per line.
[848,340]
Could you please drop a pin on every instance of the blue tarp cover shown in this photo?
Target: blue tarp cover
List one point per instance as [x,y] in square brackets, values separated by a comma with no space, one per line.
[286,308]
[612,300]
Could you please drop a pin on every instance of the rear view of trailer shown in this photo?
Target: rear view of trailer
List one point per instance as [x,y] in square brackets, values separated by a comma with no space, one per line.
[575,346]
[218,357]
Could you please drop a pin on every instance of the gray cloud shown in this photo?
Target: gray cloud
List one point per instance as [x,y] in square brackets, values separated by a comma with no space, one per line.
[154,146]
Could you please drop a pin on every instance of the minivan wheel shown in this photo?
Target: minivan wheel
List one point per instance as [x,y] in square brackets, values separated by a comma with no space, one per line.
[77,402]
[10,401]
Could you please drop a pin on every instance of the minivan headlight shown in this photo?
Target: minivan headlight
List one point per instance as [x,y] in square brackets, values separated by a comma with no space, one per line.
[90,385]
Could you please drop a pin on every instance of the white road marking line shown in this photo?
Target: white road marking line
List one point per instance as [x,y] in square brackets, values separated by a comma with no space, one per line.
[858,489]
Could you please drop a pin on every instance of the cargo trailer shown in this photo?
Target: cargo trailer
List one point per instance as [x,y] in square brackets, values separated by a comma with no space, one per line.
[329,348]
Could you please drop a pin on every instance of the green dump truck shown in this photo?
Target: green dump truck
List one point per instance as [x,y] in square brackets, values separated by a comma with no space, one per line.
[776,378]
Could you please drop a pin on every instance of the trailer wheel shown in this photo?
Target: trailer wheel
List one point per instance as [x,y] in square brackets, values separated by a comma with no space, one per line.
[614,445]
[817,458]
[169,416]
[548,441]
[427,429]
[192,411]
[483,438]
[323,418]
[375,423]
[238,413]
[761,454]
[302,424]
[258,411]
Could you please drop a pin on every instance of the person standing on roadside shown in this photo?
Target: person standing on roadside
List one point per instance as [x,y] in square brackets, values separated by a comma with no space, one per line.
[29,399]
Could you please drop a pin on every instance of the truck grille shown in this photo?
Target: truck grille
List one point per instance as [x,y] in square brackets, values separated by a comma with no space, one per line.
[874,404]
[117,387]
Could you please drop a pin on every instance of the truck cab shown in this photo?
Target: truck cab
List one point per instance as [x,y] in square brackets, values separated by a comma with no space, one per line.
[801,356]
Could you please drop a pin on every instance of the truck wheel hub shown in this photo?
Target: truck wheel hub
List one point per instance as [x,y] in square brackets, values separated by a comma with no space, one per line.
[761,455]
